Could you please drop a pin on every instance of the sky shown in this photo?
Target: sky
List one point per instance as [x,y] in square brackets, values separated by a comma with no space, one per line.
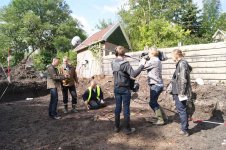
[89,12]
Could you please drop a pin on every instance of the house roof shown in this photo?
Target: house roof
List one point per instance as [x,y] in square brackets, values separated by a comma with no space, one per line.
[219,31]
[100,36]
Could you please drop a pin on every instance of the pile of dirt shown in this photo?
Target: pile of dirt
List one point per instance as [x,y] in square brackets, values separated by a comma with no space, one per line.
[22,71]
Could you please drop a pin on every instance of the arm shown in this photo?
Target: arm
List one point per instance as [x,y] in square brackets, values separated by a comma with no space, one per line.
[53,74]
[148,65]
[183,77]
[85,98]
[101,94]
[133,73]
[75,76]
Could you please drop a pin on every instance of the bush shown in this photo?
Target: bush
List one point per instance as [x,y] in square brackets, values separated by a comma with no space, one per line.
[44,58]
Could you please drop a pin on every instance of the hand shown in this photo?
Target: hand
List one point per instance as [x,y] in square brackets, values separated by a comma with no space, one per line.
[87,105]
[143,61]
[67,76]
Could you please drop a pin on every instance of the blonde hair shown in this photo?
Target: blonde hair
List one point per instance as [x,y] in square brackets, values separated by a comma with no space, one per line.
[153,51]
[120,50]
[178,52]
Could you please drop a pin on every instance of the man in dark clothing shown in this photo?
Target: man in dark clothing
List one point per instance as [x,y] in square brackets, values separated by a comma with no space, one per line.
[122,71]
[53,82]
[93,96]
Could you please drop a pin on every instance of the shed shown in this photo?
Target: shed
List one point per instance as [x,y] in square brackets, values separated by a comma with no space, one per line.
[104,41]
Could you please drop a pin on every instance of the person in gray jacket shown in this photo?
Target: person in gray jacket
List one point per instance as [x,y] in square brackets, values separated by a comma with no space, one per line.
[155,81]
[181,88]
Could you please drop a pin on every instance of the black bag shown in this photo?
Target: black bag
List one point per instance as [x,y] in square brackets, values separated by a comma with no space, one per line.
[134,86]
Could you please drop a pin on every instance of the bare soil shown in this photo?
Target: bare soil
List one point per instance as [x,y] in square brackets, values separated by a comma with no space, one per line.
[25,124]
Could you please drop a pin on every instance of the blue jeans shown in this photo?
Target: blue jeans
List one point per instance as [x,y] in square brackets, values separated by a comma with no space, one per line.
[182,110]
[53,102]
[155,91]
[122,95]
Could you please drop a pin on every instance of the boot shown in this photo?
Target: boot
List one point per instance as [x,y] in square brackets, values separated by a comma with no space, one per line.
[117,123]
[65,109]
[159,115]
[128,129]
[165,117]
[74,108]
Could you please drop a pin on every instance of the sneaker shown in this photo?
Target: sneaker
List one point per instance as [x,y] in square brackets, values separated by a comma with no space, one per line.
[185,133]
[56,117]
[74,110]
[65,111]
[130,131]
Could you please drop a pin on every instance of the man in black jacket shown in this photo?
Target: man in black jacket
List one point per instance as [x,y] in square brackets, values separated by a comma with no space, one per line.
[122,71]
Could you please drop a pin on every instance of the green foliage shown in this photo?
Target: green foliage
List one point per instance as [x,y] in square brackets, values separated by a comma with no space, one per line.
[96,51]
[42,59]
[72,56]
[161,33]
[210,16]
[104,24]
[144,20]
[39,24]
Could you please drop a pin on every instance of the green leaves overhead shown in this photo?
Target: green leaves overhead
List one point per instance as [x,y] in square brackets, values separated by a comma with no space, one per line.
[30,25]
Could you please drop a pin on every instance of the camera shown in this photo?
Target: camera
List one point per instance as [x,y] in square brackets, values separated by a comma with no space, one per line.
[162,56]
[145,56]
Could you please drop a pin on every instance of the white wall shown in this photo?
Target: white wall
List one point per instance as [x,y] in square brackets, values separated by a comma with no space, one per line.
[87,70]
[208,61]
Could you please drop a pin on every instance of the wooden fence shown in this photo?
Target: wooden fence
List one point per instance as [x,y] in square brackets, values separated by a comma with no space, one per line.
[207,60]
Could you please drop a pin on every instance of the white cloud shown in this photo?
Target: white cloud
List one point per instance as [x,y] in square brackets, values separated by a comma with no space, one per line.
[86,26]
[113,7]
[199,3]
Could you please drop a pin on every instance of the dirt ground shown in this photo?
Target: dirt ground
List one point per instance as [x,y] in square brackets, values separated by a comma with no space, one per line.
[25,124]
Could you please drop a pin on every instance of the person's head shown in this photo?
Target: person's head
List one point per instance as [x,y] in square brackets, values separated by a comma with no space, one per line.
[56,61]
[65,60]
[120,51]
[153,52]
[177,55]
[93,84]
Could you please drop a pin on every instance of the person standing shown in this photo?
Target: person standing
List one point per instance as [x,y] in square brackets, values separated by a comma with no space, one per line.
[68,84]
[122,71]
[155,81]
[53,83]
[181,88]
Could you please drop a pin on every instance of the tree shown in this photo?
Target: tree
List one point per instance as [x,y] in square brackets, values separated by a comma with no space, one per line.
[104,24]
[149,11]
[210,16]
[221,23]
[45,25]
[161,33]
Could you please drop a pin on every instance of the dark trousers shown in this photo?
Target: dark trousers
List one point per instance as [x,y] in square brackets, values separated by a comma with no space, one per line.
[73,93]
[53,102]
[95,104]
[155,91]
[182,110]
[122,95]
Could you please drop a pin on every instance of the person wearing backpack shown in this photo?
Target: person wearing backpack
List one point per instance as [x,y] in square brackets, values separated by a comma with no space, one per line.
[181,88]
[122,72]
